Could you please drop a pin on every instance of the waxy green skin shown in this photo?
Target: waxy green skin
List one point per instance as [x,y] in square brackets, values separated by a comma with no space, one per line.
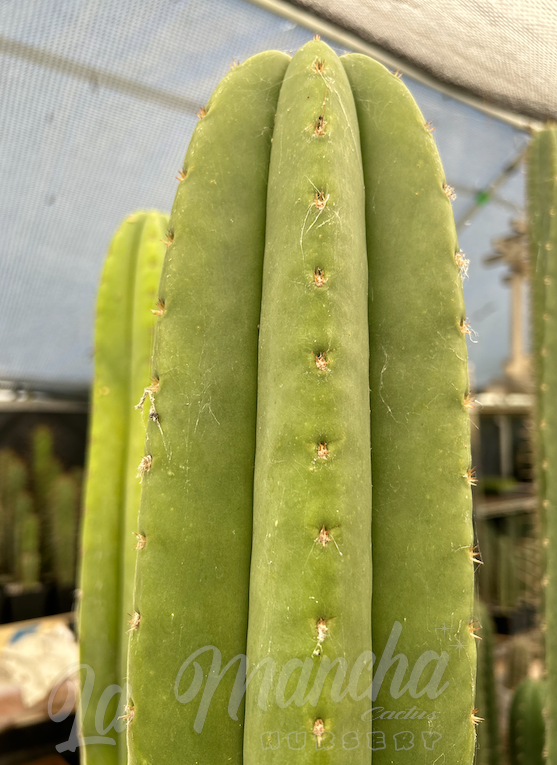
[295,581]
[422,505]
[526,724]
[542,202]
[123,340]
[192,577]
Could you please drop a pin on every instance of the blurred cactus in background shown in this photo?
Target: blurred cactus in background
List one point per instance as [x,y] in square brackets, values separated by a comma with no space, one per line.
[63,512]
[13,480]
[45,470]
[527,725]
[39,516]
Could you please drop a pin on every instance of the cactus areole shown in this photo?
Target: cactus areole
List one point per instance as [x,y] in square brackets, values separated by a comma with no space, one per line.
[310,332]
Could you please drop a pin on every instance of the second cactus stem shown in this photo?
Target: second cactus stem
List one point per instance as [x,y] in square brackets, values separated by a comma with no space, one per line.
[123,342]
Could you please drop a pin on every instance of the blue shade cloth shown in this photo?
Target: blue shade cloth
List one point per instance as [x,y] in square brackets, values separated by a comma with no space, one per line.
[98,106]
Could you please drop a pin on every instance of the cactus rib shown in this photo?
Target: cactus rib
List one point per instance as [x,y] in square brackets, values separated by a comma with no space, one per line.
[422,504]
[123,338]
[196,502]
[310,599]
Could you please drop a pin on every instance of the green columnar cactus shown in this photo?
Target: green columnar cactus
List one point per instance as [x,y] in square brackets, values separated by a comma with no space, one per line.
[423,554]
[192,576]
[45,470]
[542,195]
[488,751]
[527,725]
[13,479]
[126,312]
[341,125]
[63,513]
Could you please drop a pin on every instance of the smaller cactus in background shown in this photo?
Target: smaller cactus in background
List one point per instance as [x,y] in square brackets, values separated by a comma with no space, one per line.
[526,724]
[23,508]
[45,471]
[13,479]
[29,557]
[63,507]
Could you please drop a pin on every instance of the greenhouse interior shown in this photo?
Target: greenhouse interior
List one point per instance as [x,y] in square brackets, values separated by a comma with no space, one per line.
[278,325]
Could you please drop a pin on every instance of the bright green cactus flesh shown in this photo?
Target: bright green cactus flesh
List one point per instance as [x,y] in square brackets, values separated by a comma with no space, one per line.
[126,310]
[542,197]
[312,205]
